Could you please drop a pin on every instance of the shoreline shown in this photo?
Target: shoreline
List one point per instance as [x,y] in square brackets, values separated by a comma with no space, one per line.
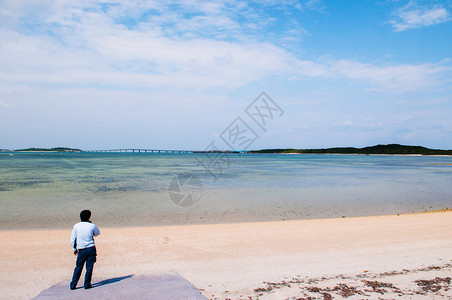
[234,260]
[69,227]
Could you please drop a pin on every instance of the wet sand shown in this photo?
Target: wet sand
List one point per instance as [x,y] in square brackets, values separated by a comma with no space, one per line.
[273,260]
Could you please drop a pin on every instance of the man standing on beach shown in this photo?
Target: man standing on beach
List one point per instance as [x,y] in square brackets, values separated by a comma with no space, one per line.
[82,241]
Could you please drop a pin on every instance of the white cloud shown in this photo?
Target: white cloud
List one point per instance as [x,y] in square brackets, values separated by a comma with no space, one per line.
[412,17]
[399,77]
[120,57]
[133,59]
[396,78]
[80,43]
[89,46]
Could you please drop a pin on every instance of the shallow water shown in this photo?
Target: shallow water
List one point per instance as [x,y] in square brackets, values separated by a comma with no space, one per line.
[47,190]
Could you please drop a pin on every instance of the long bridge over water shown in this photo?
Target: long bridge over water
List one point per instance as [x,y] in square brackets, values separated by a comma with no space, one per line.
[135,150]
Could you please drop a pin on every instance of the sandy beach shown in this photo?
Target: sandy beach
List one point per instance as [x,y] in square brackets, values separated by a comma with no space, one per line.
[365,257]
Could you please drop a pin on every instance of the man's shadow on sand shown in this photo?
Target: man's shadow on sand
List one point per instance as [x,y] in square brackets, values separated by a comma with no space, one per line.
[111,280]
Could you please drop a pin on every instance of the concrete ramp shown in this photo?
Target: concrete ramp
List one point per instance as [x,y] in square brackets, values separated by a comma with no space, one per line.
[160,286]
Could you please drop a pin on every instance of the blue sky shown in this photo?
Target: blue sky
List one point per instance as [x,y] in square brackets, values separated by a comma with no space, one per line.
[175,74]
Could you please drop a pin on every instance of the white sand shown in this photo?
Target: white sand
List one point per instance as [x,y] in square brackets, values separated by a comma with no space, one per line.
[231,260]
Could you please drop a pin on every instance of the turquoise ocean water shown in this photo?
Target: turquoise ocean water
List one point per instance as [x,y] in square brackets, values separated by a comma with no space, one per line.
[48,190]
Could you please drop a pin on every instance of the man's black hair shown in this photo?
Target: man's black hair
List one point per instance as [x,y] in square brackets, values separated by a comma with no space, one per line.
[85,215]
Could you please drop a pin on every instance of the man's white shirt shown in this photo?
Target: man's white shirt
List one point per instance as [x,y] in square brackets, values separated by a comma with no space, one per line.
[83,234]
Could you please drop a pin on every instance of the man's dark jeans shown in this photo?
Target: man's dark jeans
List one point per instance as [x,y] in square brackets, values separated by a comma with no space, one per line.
[87,255]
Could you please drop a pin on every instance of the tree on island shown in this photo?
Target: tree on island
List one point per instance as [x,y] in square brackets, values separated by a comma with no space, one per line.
[378,149]
[57,149]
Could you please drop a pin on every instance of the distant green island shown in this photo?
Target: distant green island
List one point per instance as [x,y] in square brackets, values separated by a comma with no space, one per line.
[377,149]
[57,149]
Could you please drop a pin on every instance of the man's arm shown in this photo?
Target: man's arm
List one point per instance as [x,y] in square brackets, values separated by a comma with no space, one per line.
[96,230]
[74,238]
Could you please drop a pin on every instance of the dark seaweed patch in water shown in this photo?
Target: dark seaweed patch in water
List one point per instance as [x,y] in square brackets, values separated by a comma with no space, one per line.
[124,188]
[31,183]
[142,186]
[97,180]
[16,185]
[4,187]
